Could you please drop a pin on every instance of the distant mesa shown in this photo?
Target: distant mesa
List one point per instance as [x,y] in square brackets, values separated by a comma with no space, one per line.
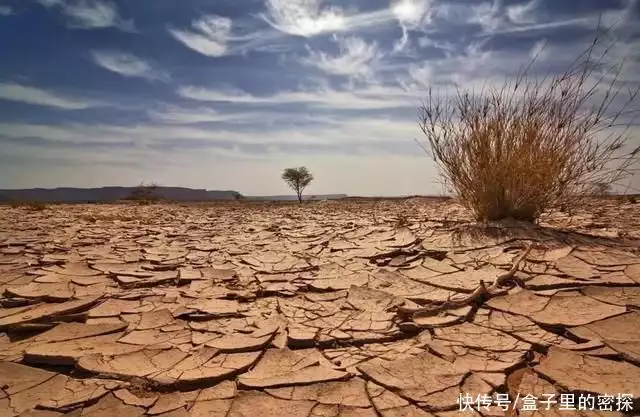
[113,194]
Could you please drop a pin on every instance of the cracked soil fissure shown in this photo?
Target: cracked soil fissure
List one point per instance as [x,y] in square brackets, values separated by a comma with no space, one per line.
[327,308]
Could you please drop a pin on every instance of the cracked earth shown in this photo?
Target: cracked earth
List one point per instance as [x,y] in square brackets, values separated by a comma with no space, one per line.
[340,308]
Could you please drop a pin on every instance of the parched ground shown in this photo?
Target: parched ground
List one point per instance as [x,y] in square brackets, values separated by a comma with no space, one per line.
[338,308]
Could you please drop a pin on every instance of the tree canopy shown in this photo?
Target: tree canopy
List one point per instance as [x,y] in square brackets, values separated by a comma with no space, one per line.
[297,179]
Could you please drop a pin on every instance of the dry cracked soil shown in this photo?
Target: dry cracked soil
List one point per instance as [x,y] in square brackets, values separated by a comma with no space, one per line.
[360,308]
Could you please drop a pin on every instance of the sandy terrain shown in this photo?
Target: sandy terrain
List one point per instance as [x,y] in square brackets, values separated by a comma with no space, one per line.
[337,308]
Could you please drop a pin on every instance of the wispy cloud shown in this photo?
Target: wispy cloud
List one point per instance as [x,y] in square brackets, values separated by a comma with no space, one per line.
[209,35]
[497,19]
[472,67]
[50,3]
[143,134]
[356,58]
[177,115]
[90,14]
[215,36]
[128,65]
[5,10]
[258,118]
[326,131]
[180,115]
[349,108]
[523,13]
[32,95]
[368,98]
[308,18]
[494,17]
[304,17]
[411,13]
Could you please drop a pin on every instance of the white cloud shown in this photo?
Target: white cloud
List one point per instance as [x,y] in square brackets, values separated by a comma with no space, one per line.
[485,14]
[423,74]
[469,68]
[445,46]
[226,95]
[147,134]
[538,50]
[170,123]
[368,98]
[128,65]
[180,115]
[304,17]
[177,115]
[308,18]
[216,36]
[410,13]
[90,14]
[523,13]
[586,22]
[31,95]
[356,59]
[209,36]
[524,17]
[5,11]
[402,43]
[50,3]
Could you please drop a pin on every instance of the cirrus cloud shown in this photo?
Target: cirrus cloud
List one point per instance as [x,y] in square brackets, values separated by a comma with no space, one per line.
[33,95]
[209,35]
[90,14]
[128,65]
[6,11]
[304,17]
[356,59]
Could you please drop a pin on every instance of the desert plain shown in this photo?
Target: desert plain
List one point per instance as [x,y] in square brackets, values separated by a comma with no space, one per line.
[324,309]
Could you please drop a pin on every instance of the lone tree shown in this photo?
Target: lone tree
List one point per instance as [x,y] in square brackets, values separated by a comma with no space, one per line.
[144,193]
[297,179]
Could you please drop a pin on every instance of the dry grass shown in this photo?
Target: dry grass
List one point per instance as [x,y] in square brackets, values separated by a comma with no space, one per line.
[529,145]
[29,205]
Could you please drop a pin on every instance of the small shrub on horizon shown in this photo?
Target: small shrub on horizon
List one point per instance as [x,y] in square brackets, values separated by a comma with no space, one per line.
[627,199]
[530,145]
[29,205]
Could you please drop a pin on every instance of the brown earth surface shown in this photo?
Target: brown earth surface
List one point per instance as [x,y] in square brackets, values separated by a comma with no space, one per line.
[337,308]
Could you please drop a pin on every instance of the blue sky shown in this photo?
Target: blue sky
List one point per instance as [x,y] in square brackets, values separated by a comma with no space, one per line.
[224,94]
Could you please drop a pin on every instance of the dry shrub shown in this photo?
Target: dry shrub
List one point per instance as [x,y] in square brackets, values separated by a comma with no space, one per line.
[29,205]
[517,150]
[401,221]
[144,194]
